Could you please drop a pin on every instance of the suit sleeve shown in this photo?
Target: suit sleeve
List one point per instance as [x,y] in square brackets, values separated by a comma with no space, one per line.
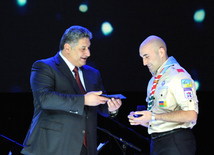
[43,83]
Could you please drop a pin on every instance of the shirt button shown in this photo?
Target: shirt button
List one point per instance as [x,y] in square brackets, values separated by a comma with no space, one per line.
[83,131]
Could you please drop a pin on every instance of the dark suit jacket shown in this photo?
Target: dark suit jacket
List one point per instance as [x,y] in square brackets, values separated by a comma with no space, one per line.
[60,117]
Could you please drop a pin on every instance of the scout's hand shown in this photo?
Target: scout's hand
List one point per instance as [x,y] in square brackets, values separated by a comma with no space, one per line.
[132,119]
[93,98]
[143,120]
[114,104]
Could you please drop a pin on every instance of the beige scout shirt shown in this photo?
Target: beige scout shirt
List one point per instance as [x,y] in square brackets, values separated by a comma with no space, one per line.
[175,91]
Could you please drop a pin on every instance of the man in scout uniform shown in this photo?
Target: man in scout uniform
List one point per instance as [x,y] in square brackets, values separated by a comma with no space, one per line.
[172,102]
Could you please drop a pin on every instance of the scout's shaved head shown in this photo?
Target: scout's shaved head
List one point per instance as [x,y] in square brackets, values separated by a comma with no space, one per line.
[153,52]
[154,42]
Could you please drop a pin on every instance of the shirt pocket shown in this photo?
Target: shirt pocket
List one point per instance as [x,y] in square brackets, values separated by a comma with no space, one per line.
[162,92]
[161,97]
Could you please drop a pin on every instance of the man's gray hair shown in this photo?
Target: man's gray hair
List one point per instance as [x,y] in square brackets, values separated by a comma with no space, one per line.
[73,34]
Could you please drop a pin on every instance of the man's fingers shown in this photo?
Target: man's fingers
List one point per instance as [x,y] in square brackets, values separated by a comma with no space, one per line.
[97,92]
[131,115]
[114,102]
[132,122]
[103,99]
[135,123]
[111,104]
[93,98]
[138,113]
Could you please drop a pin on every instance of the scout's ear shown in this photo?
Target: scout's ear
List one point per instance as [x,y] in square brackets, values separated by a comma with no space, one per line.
[162,52]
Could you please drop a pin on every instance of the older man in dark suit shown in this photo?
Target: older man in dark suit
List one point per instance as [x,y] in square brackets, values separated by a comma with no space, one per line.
[66,100]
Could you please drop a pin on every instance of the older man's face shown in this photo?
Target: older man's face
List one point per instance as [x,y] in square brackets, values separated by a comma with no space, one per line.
[80,53]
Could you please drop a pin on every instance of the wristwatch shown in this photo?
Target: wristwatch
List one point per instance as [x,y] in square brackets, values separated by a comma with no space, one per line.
[113,113]
[153,117]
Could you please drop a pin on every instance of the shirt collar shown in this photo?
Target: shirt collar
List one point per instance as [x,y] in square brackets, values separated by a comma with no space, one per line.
[70,65]
[170,61]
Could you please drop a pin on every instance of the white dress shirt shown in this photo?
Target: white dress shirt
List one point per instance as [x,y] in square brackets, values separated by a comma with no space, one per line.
[71,67]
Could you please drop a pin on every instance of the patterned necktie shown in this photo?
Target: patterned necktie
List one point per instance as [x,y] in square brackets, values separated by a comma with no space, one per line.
[151,97]
[83,92]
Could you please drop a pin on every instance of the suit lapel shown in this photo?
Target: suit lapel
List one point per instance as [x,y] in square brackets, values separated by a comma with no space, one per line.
[87,79]
[62,66]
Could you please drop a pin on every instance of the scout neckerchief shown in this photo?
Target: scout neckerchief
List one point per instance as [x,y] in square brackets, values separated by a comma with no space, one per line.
[151,97]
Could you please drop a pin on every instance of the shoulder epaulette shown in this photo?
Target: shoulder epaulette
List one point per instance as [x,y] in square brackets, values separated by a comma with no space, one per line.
[180,70]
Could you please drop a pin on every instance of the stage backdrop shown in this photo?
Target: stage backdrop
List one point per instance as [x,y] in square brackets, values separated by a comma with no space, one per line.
[32,30]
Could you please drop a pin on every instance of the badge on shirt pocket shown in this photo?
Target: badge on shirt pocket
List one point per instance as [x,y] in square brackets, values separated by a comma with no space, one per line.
[162,104]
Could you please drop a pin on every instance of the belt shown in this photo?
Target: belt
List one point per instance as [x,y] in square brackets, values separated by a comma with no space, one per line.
[161,134]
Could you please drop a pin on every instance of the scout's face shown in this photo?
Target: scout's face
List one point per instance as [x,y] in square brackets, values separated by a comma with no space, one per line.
[80,53]
[151,58]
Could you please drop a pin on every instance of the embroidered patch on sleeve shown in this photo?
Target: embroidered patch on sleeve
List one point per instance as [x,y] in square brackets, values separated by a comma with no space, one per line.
[186,83]
[188,93]
[162,104]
